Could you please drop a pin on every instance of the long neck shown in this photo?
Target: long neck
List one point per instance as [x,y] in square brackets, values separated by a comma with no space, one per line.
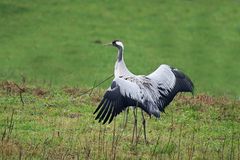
[120,66]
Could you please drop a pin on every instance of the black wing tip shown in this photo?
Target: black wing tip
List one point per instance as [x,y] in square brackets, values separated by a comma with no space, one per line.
[188,85]
[112,104]
[110,121]
[106,112]
[182,77]
[191,85]
[105,120]
[193,91]
[99,106]
[95,112]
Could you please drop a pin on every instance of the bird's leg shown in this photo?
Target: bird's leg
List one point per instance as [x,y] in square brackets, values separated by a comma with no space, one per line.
[133,133]
[135,124]
[126,118]
[136,133]
[144,127]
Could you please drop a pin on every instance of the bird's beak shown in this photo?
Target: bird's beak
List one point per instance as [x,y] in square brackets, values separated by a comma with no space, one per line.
[107,44]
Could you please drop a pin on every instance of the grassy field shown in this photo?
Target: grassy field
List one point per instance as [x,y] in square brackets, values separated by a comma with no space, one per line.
[56,41]
[59,124]
[51,52]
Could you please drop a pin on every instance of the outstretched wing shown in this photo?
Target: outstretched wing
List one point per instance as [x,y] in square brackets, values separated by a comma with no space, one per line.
[151,93]
[120,95]
[169,82]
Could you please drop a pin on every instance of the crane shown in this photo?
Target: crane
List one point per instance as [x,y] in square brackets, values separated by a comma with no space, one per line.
[151,93]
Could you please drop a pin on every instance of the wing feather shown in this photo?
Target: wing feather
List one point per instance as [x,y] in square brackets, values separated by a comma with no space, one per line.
[102,109]
[152,93]
[123,93]
[169,81]
[105,111]
[109,112]
[99,106]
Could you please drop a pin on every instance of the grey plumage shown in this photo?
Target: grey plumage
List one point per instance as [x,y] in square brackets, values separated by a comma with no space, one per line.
[152,93]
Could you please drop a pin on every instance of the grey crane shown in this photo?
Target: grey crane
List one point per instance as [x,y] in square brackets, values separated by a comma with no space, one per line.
[151,93]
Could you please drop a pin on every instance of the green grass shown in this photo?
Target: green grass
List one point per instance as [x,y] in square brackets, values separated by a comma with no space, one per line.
[53,41]
[57,43]
[60,125]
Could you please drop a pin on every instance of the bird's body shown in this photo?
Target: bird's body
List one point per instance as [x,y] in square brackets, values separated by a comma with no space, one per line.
[152,93]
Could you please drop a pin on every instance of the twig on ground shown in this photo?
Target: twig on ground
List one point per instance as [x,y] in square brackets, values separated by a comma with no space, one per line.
[95,86]
[21,90]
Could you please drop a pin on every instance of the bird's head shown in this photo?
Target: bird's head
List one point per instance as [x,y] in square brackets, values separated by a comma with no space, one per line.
[116,43]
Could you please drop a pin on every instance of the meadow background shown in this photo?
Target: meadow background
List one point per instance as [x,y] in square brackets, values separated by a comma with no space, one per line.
[51,52]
